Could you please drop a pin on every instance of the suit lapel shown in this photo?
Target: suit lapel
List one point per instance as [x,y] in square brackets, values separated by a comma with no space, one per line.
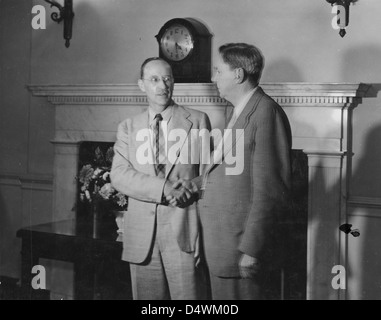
[243,119]
[241,123]
[141,123]
[249,109]
[179,121]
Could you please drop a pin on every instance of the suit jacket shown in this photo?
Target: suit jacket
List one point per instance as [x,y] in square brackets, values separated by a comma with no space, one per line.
[139,181]
[243,213]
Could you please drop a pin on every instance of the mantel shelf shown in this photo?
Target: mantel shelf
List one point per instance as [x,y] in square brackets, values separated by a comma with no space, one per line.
[203,93]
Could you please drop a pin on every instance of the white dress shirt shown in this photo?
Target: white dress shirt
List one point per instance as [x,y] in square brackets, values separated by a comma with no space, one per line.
[237,110]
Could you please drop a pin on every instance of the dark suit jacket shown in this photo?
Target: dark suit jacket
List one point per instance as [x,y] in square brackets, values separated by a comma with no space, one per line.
[144,188]
[244,213]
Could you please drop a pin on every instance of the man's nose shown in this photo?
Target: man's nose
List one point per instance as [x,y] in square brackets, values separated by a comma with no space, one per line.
[162,83]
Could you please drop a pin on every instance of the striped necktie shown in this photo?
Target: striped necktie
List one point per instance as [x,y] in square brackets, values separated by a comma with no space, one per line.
[160,157]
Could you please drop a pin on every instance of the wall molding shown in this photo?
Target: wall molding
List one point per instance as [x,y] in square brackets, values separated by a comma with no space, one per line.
[365,202]
[324,158]
[36,182]
[11,180]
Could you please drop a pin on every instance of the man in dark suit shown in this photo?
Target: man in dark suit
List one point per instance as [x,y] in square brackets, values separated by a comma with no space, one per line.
[161,241]
[243,208]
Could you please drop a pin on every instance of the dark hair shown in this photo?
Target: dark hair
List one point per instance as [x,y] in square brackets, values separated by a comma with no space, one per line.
[146,62]
[245,56]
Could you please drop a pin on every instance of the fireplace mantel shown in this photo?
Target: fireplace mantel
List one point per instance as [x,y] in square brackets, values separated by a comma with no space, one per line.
[204,93]
[92,112]
[321,120]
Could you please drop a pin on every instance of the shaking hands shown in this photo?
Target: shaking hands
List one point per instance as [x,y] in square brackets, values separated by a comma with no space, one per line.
[181,193]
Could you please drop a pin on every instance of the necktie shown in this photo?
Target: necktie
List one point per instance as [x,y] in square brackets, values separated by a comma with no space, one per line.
[159,145]
[232,120]
[217,154]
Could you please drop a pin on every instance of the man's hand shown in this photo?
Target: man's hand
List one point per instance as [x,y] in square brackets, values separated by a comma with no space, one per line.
[177,195]
[248,266]
[182,193]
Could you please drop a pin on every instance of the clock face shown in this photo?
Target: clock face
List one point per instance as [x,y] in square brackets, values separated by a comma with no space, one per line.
[177,42]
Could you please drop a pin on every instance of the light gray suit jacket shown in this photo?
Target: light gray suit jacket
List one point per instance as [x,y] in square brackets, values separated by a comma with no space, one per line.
[139,181]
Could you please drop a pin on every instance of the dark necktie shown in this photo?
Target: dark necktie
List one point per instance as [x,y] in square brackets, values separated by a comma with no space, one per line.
[159,145]
[231,119]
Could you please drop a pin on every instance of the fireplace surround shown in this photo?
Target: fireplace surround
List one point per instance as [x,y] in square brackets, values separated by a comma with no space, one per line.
[321,120]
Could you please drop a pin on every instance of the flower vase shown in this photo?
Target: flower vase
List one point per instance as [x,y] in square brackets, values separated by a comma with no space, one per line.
[109,218]
[102,218]
[96,218]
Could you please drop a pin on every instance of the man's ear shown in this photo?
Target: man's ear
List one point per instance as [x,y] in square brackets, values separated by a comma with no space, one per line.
[239,75]
[141,85]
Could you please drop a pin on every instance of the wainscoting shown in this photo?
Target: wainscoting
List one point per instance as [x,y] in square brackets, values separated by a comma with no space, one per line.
[364,253]
[24,195]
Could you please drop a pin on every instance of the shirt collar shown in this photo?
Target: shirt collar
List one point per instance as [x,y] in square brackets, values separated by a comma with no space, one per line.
[243,102]
[166,114]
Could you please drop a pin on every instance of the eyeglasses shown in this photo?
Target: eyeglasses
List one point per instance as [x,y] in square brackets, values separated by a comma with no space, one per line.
[156,80]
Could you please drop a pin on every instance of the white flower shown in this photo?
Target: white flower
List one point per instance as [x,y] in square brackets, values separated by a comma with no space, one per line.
[85,174]
[106,191]
[105,175]
[121,199]
[97,171]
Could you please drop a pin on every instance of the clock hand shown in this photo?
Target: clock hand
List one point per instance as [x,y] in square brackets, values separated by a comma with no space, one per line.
[177,46]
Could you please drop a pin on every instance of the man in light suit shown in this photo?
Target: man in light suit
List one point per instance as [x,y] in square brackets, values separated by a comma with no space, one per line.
[242,212]
[160,241]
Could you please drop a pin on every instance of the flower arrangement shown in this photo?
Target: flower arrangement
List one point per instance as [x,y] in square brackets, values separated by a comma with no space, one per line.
[95,183]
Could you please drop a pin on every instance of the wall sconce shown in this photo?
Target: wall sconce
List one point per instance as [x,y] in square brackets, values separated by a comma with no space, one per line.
[67,15]
[342,5]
